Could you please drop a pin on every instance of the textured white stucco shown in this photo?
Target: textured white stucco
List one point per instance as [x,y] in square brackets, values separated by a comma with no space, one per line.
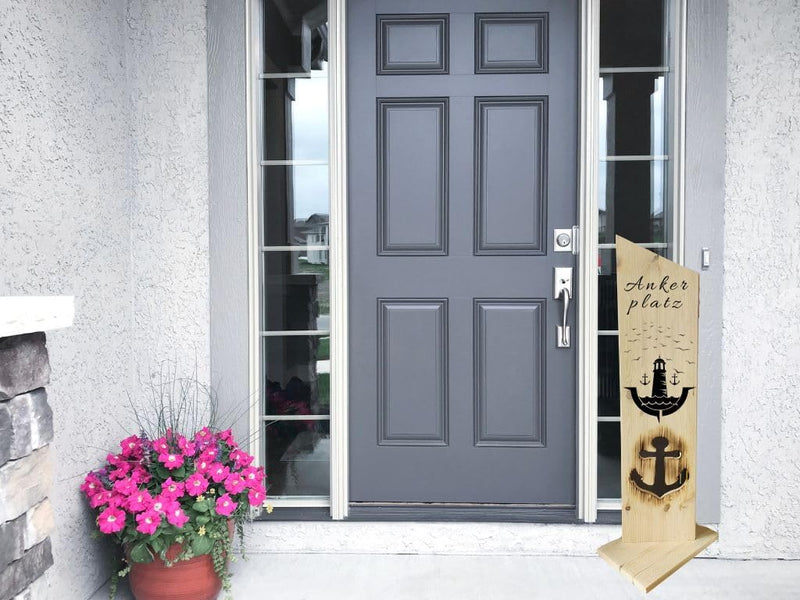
[761,320]
[103,195]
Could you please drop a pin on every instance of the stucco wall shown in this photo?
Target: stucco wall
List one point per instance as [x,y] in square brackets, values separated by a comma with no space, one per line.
[103,195]
[761,320]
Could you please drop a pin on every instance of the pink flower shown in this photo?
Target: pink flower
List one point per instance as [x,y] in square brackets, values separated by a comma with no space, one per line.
[140,475]
[204,435]
[253,476]
[131,447]
[225,505]
[196,484]
[241,458]
[175,515]
[160,503]
[171,461]
[126,487]
[100,498]
[160,445]
[139,501]
[202,465]
[234,483]
[111,520]
[91,485]
[209,454]
[172,489]
[226,436]
[218,472]
[187,447]
[148,522]
[117,500]
[121,472]
[256,497]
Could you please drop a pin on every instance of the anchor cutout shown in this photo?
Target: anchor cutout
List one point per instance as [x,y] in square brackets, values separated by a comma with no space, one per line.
[659,487]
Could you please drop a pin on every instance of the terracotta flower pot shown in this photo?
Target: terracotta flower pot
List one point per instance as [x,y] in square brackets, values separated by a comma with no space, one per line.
[192,579]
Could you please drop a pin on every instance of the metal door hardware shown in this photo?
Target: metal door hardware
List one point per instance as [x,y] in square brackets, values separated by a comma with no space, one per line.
[565,240]
[562,290]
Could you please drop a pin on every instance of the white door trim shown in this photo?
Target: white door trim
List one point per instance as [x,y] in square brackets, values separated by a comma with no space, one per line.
[587,261]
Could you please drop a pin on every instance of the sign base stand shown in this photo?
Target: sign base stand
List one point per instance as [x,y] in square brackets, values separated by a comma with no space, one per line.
[646,564]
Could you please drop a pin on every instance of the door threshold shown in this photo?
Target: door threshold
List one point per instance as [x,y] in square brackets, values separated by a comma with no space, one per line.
[466,512]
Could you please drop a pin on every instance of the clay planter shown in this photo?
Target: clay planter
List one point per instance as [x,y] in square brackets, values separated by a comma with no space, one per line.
[192,579]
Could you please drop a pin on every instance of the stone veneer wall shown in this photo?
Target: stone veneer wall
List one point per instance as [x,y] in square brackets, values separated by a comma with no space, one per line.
[26,430]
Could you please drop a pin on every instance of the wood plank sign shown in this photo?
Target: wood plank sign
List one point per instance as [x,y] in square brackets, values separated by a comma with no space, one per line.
[658,310]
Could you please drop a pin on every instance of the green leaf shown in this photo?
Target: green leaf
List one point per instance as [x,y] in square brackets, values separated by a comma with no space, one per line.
[200,506]
[201,545]
[179,473]
[157,544]
[203,519]
[140,553]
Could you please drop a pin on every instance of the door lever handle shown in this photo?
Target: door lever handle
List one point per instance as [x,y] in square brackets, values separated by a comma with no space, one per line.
[562,290]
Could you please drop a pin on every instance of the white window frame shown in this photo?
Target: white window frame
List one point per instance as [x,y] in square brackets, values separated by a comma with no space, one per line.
[587,501]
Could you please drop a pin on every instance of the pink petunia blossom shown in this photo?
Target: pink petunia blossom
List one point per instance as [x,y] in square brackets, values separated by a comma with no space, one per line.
[140,475]
[131,447]
[203,435]
[253,476]
[175,515]
[148,522]
[209,454]
[188,448]
[91,485]
[225,505]
[111,520]
[160,503]
[160,445]
[126,487]
[139,501]
[172,489]
[121,472]
[241,458]
[218,472]
[256,497]
[196,484]
[117,500]
[226,436]
[234,483]
[202,465]
[170,460]
[100,499]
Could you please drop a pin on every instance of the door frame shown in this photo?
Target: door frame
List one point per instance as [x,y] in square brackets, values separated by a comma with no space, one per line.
[586,313]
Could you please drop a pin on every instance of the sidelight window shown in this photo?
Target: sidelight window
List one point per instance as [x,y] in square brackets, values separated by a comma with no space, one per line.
[294,294]
[638,195]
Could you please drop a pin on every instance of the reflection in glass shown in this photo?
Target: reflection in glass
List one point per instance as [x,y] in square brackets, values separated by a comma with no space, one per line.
[631,201]
[632,33]
[296,207]
[296,118]
[632,114]
[297,375]
[296,291]
[608,460]
[608,376]
[298,458]
[295,35]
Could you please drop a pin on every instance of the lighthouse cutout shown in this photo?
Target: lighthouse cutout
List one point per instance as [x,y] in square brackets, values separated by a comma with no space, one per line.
[659,403]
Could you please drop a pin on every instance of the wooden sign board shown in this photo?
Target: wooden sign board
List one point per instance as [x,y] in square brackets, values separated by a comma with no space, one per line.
[658,310]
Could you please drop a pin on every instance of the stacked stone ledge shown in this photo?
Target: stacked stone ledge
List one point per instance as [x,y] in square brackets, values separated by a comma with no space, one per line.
[26,430]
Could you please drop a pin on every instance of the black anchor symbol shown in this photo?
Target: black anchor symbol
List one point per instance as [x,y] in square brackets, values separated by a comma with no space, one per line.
[660,487]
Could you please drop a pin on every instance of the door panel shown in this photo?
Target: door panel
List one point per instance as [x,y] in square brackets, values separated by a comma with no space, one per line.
[462,159]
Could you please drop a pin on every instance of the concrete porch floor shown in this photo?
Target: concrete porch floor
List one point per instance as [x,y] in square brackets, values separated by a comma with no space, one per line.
[437,577]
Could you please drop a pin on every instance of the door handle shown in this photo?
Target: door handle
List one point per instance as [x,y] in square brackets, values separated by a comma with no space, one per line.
[562,290]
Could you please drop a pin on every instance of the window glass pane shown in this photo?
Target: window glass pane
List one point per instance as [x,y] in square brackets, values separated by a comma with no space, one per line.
[297,375]
[296,291]
[296,211]
[608,460]
[631,201]
[298,458]
[608,376]
[296,35]
[633,114]
[296,118]
[632,33]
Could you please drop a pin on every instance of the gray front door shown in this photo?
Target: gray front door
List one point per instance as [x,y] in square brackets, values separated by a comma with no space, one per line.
[462,128]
